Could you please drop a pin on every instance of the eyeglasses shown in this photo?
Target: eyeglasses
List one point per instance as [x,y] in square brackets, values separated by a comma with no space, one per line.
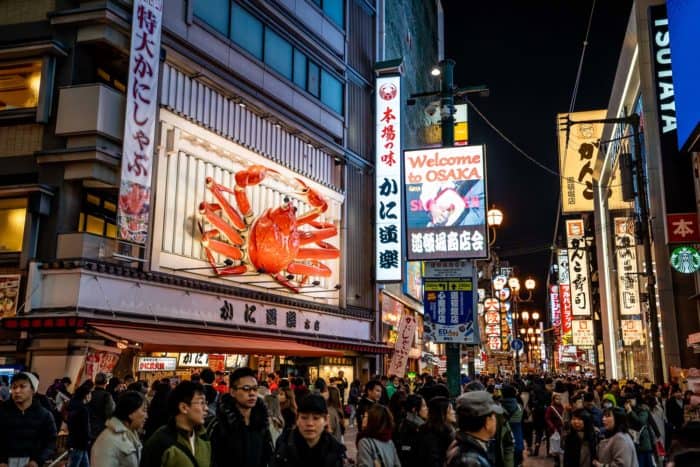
[247,388]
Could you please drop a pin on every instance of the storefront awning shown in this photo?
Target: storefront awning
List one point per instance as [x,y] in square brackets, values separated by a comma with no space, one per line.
[181,341]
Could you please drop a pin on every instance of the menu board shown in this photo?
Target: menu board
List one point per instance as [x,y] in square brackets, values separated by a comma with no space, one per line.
[9,295]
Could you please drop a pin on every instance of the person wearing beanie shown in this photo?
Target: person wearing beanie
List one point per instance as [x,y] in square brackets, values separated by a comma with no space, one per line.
[309,443]
[28,430]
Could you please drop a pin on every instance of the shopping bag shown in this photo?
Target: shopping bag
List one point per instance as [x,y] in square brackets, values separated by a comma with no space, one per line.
[555,444]
[660,450]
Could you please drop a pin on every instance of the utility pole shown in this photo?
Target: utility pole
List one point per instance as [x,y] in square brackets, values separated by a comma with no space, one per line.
[642,228]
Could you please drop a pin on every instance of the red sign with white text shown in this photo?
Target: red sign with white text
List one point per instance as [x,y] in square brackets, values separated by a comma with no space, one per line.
[683,228]
[565,300]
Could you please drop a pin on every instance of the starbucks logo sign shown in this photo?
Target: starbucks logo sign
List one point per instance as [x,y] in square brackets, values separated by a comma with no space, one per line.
[685,260]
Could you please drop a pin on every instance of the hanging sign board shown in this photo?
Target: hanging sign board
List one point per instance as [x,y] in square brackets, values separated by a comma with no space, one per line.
[582,331]
[579,278]
[449,311]
[147,364]
[627,272]
[404,342]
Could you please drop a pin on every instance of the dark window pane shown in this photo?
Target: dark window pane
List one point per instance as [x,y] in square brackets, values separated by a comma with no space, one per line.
[246,31]
[278,53]
[214,13]
[334,10]
[313,81]
[331,92]
[299,69]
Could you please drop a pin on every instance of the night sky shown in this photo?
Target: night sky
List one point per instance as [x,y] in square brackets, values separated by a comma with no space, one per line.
[527,53]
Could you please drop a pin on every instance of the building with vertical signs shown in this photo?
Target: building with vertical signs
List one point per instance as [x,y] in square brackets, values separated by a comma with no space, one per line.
[247,236]
[644,84]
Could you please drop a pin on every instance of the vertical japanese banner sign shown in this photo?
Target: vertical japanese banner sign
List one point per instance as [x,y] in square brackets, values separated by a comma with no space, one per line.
[564,296]
[140,121]
[492,323]
[555,305]
[577,152]
[579,280]
[404,342]
[628,280]
[389,209]
[446,203]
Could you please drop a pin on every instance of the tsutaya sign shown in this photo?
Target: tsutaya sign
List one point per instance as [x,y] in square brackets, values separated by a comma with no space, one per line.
[446,203]
[577,152]
[389,208]
[139,122]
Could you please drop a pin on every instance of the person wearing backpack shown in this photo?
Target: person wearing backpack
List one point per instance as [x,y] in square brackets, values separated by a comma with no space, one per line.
[514,416]
[638,422]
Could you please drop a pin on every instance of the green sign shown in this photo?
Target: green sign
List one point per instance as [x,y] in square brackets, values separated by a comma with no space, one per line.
[685,259]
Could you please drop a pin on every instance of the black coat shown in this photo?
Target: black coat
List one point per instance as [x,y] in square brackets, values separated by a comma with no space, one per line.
[78,425]
[234,442]
[293,451]
[432,446]
[406,441]
[101,407]
[674,415]
[31,433]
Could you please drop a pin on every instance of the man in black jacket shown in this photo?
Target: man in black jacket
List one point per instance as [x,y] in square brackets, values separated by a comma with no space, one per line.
[101,406]
[240,433]
[476,418]
[27,430]
[310,443]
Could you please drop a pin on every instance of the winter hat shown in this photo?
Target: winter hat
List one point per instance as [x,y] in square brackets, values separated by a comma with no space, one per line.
[33,380]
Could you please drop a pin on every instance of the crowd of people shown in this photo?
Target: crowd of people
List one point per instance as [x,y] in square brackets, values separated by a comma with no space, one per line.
[251,421]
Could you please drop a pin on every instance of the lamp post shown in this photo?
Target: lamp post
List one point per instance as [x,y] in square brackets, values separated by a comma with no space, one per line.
[494,218]
[514,284]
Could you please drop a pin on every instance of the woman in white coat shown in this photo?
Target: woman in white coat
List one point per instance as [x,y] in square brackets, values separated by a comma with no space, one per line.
[119,445]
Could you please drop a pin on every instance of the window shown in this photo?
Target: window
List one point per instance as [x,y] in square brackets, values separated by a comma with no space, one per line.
[247,31]
[331,92]
[335,11]
[19,85]
[278,53]
[99,214]
[214,13]
[299,69]
[312,83]
[13,212]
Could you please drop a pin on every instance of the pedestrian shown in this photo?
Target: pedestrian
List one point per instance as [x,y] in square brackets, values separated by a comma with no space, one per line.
[596,413]
[372,395]
[78,422]
[617,448]
[502,450]
[27,430]
[353,399]
[477,425]
[241,429]
[538,404]
[342,383]
[437,433]
[392,386]
[514,416]
[4,388]
[580,443]
[114,387]
[158,413]
[118,445]
[63,395]
[675,414]
[374,444]
[310,443]
[407,435]
[288,407]
[554,418]
[210,393]
[336,419]
[638,422]
[101,406]
[182,442]
[276,420]
[397,406]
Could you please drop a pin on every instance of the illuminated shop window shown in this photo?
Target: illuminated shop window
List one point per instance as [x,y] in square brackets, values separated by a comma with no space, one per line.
[99,214]
[19,84]
[13,212]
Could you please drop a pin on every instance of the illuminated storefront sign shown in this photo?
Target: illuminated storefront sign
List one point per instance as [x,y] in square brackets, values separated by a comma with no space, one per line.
[389,207]
[582,330]
[555,305]
[577,153]
[139,122]
[146,364]
[449,311]
[446,203]
[627,273]
[195,360]
[685,259]
[579,278]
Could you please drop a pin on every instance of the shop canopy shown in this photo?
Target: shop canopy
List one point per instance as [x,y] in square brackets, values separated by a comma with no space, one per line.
[182,341]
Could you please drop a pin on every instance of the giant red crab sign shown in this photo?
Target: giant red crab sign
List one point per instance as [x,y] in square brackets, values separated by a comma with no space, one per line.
[272,242]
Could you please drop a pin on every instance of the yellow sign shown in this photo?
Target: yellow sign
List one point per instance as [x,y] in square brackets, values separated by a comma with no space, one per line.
[448,286]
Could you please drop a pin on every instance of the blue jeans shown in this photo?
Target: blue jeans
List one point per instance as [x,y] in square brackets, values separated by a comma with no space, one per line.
[78,458]
[645,459]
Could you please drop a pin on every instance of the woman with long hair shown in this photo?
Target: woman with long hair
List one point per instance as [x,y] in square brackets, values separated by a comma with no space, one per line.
[336,420]
[288,406]
[437,433]
[274,413]
[157,409]
[119,445]
[580,442]
[554,421]
[617,449]
[407,435]
[397,407]
[374,445]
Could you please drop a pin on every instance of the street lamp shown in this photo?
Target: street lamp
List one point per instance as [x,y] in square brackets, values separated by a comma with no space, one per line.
[494,218]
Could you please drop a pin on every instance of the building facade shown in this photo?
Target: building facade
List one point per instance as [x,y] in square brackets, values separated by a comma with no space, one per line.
[285,87]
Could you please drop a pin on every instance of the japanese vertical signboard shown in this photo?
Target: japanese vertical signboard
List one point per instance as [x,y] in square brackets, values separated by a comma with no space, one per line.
[404,342]
[578,146]
[564,295]
[139,122]
[628,281]
[578,268]
[449,310]
[492,323]
[555,306]
[389,233]
[446,203]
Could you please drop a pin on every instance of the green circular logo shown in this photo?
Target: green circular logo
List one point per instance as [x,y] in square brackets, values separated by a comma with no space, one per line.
[685,259]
